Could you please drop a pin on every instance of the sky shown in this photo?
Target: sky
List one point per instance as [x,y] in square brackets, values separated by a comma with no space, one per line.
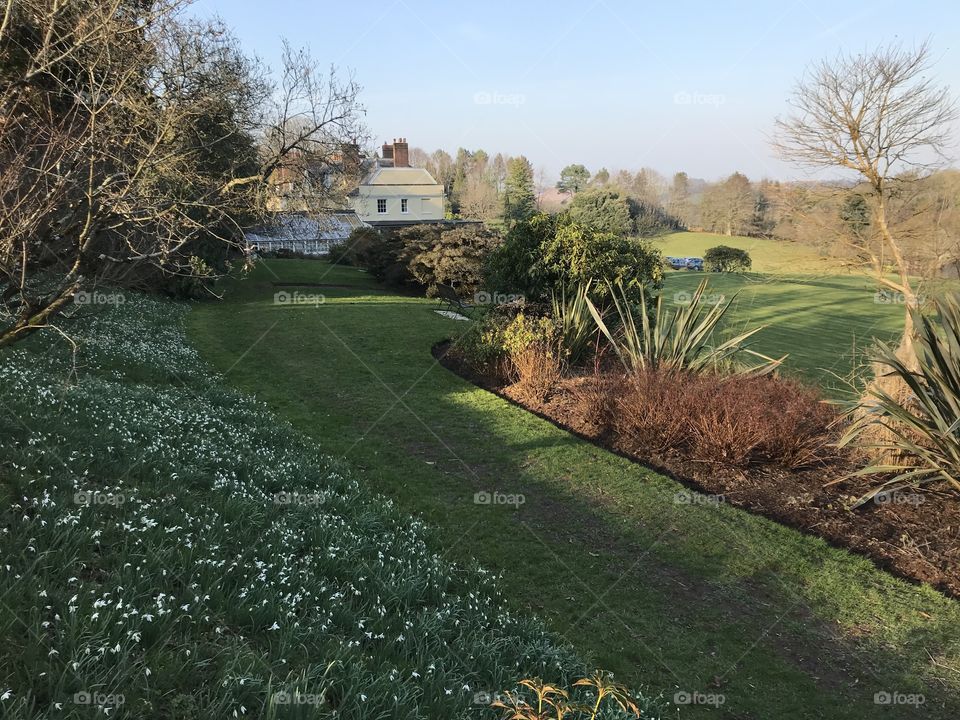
[692,86]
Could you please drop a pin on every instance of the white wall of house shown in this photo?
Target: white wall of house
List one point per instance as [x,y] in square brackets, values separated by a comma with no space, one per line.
[385,197]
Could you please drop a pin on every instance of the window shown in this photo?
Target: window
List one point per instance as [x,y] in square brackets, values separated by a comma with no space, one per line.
[403,205]
[382,206]
[425,206]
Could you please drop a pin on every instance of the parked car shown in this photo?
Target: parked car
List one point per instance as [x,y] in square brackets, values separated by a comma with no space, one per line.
[685,263]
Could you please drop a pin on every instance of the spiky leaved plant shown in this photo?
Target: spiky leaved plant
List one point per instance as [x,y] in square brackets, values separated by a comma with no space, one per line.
[923,427]
[684,340]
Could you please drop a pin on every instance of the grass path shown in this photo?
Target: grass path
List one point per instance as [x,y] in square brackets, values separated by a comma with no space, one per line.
[671,595]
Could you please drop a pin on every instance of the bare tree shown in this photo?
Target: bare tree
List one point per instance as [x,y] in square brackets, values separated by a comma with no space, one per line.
[129,136]
[878,114]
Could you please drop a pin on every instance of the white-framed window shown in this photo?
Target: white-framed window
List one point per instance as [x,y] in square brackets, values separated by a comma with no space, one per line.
[403,205]
[382,206]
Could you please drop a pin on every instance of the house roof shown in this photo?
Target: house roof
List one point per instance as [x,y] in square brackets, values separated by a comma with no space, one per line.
[399,176]
[333,226]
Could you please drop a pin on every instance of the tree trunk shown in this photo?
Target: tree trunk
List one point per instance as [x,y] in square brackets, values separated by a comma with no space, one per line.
[882,381]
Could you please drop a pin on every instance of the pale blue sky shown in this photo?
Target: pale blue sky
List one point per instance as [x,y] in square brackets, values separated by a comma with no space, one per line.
[670,85]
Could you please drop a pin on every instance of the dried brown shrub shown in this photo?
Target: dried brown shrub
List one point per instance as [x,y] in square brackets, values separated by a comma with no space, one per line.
[536,371]
[733,422]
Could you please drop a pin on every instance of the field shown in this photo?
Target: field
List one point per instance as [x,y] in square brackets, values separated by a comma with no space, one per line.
[678,596]
[824,324]
[769,256]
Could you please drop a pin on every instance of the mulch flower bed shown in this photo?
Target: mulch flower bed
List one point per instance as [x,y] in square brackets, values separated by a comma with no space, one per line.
[915,536]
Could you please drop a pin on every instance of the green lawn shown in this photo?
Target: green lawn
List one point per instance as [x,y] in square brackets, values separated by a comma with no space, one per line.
[825,324]
[670,595]
[769,256]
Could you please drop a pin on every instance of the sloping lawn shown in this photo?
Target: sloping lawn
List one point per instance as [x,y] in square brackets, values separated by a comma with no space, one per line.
[825,324]
[173,550]
[769,256]
[668,591]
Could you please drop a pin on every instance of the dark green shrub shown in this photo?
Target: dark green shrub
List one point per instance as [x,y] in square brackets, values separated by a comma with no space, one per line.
[546,254]
[727,259]
[454,256]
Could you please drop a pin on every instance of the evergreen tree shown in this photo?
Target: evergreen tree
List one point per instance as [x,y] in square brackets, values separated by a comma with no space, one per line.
[518,195]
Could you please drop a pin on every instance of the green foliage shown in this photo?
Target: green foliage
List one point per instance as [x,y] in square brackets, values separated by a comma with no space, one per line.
[455,256]
[422,255]
[575,255]
[575,325]
[573,179]
[518,194]
[610,210]
[925,426]
[524,331]
[723,258]
[855,213]
[376,252]
[684,340]
[549,253]
[603,210]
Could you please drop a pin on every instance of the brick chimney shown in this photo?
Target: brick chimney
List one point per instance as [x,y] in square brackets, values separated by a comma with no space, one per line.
[401,153]
[387,154]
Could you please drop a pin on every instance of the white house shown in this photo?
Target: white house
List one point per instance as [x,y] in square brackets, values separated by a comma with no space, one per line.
[393,193]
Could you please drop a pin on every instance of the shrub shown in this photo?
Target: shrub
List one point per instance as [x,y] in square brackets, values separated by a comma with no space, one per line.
[731,422]
[546,254]
[727,259]
[536,370]
[925,426]
[524,331]
[683,340]
[378,253]
[453,256]
[575,325]
[602,210]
